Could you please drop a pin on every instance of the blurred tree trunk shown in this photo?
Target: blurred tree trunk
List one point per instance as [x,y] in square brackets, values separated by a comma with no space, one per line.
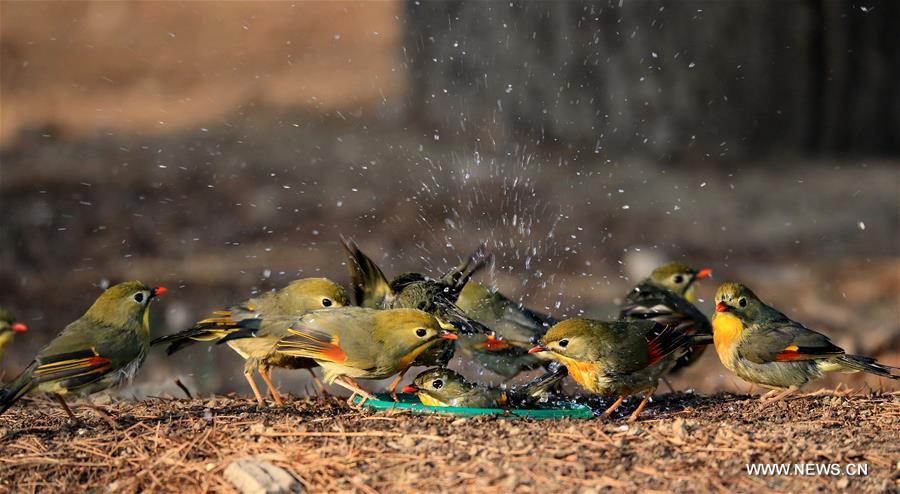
[668,79]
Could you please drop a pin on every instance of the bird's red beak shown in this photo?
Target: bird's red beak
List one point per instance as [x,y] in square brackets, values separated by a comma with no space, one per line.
[449,336]
[720,307]
[159,290]
[536,349]
[412,388]
[19,327]
[704,273]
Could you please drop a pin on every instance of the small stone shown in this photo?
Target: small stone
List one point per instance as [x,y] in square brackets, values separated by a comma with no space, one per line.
[253,476]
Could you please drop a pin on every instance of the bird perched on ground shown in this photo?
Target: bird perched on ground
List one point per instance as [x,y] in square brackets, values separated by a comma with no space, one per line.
[516,329]
[618,358]
[440,387]
[667,297]
[9,326]
[436,296]
[765,347]
[102,349]
[296,298]
[350,342]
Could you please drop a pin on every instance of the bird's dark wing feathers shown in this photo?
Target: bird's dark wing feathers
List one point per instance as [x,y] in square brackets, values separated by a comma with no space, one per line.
[666,339]
[785,341]
[72,369]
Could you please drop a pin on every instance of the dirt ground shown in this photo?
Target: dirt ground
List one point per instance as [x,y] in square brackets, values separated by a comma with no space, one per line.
[684,443]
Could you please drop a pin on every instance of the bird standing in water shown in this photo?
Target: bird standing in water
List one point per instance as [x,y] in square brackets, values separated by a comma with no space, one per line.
[439,387]
[515,330]
[618,358]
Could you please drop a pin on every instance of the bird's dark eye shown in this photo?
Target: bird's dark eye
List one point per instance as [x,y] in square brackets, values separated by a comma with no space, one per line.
[421,332]
[437,384]
[563,343]
[326,302]
[742,302]
[139,297]
[678,279]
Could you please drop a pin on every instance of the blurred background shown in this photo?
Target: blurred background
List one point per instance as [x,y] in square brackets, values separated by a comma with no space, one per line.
[220,149]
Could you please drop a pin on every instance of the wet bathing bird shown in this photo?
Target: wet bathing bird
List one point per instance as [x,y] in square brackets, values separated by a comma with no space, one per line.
[440,387]
[763,346]
[296,298]
[667,297]
[9,326]
[619,358]
[515,330]
[436,296]
[103,348]
[351,342]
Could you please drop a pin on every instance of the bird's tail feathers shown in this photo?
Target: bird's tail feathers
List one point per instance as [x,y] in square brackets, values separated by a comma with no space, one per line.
[212,329]
[245,329]
[17,388]
[856,363]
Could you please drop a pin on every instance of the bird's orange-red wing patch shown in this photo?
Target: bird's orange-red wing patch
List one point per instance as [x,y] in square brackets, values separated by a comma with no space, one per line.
[312,344]
[492,344]
[789,355]
[72,367]
[654,352]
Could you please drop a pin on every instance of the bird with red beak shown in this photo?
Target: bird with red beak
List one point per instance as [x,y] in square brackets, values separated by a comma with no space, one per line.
[765,347]
[101,349]
[350,342]
[618,358]
[9,326]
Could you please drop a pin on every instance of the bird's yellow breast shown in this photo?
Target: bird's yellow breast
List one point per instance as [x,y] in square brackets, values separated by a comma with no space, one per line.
[429,401]
[727,328]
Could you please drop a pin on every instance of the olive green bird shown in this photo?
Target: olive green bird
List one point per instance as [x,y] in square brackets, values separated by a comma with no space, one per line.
[515,330]
[619,358]
[296,298]
[765,347]
[9,326]
[417,291]
[350,342]
[440,387]
[102,349]
[667,297]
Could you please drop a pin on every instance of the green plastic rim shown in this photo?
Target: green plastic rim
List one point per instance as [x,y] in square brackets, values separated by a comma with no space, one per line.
[410,403]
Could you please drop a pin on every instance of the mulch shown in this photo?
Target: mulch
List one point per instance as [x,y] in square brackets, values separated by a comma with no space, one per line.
[685,442]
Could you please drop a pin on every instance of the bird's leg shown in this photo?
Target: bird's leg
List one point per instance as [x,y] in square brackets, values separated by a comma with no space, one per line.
[248,373]
[104,414]
[319,383]
[264,373]
[347,383]
[640,408]
[396,382]
[784,394]
[612,409]
[668,384]
[62,403]
[767,395]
